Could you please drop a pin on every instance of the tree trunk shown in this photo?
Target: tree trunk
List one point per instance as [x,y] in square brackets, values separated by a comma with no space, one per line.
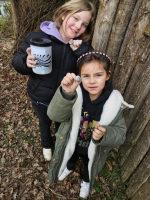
[14,16]
[137,153]
[132,45]
[136,131]
[139,103]
[143,192]
[104,22]
[123,16]
[141,175]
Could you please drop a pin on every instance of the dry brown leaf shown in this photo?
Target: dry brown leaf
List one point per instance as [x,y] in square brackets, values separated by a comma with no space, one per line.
[72,191]
[76,174]
[12,134]
[67,186]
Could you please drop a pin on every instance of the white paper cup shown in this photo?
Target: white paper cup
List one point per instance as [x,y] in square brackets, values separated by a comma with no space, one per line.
[41,48]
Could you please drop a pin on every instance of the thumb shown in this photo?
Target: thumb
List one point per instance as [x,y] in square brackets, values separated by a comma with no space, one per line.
[28,50]
[76,84]
[97,126]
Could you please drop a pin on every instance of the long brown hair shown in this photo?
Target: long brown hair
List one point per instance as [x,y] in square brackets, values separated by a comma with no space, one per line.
[74,6]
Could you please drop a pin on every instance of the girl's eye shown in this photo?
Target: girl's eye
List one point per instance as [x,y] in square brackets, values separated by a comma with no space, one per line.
[84,25]
[76,18]
[99,74]
[85,76]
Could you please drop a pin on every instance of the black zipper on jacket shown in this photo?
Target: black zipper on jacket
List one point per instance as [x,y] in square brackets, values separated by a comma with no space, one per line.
[42,104]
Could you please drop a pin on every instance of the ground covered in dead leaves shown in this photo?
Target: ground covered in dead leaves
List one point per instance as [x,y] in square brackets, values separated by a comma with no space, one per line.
[23,169]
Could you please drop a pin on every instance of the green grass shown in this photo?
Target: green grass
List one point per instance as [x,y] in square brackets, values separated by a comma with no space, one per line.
[6,23]
[30,141]
[109,185]
[26,138]
[2,23]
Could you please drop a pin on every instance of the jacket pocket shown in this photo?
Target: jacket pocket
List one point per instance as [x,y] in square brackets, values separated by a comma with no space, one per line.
[105,149]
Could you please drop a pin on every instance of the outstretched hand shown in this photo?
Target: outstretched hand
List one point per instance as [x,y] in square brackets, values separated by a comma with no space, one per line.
[74,44]
[98,132]
[69,84]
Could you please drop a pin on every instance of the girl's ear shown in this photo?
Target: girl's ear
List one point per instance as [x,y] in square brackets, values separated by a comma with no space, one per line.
[108,76]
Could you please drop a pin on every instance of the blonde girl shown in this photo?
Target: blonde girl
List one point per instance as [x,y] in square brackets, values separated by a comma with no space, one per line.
[73,22]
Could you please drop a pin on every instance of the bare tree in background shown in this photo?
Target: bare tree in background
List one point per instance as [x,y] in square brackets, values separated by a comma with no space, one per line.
[29,14]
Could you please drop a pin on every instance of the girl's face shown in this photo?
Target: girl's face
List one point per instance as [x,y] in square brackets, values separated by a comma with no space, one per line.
[74,25]
[93,77]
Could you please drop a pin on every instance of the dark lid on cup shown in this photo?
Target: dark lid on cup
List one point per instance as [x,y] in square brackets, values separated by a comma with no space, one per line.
[40,42]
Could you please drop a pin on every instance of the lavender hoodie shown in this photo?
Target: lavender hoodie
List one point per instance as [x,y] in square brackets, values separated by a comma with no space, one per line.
[50,28]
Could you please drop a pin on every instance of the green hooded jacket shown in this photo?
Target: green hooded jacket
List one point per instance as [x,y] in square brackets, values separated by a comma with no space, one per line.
[68,113]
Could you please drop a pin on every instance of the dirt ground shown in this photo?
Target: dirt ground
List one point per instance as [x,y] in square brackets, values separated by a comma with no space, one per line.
[23,170]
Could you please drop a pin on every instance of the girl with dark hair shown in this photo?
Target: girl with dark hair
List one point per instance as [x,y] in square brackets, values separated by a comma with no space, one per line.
[91,117]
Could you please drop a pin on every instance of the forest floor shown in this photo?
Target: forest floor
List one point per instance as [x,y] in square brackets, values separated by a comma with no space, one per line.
[23,170]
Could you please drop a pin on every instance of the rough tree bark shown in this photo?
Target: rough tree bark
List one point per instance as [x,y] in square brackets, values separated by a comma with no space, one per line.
[19,8]
[123,15]
[14,16]
[135,77]
[132,44]
[143,192]
[137,153]
[140,177]
[135,132]
[104,22]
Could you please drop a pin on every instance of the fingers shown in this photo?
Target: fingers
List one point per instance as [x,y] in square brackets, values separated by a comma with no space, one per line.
[30,59]
[28,50]
[74,44]
[69,84]
[68,79]
[98,132]
[71,79]
[77,43]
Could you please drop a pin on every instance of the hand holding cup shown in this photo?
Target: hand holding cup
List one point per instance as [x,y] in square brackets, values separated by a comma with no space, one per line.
[30,59]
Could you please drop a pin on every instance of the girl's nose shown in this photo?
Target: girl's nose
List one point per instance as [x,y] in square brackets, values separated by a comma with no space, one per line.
[91,79]
[78,25]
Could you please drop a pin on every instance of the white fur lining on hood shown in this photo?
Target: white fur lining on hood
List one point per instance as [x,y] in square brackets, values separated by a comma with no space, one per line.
[108,114]
[76,110]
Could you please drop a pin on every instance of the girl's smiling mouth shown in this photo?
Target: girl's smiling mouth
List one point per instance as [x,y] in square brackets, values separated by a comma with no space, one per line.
[73,30]
[92,88]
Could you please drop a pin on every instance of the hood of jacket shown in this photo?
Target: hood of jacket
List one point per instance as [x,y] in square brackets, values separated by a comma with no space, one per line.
[50,28]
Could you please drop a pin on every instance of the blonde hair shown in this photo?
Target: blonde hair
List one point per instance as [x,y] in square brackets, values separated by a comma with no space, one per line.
[74,6]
